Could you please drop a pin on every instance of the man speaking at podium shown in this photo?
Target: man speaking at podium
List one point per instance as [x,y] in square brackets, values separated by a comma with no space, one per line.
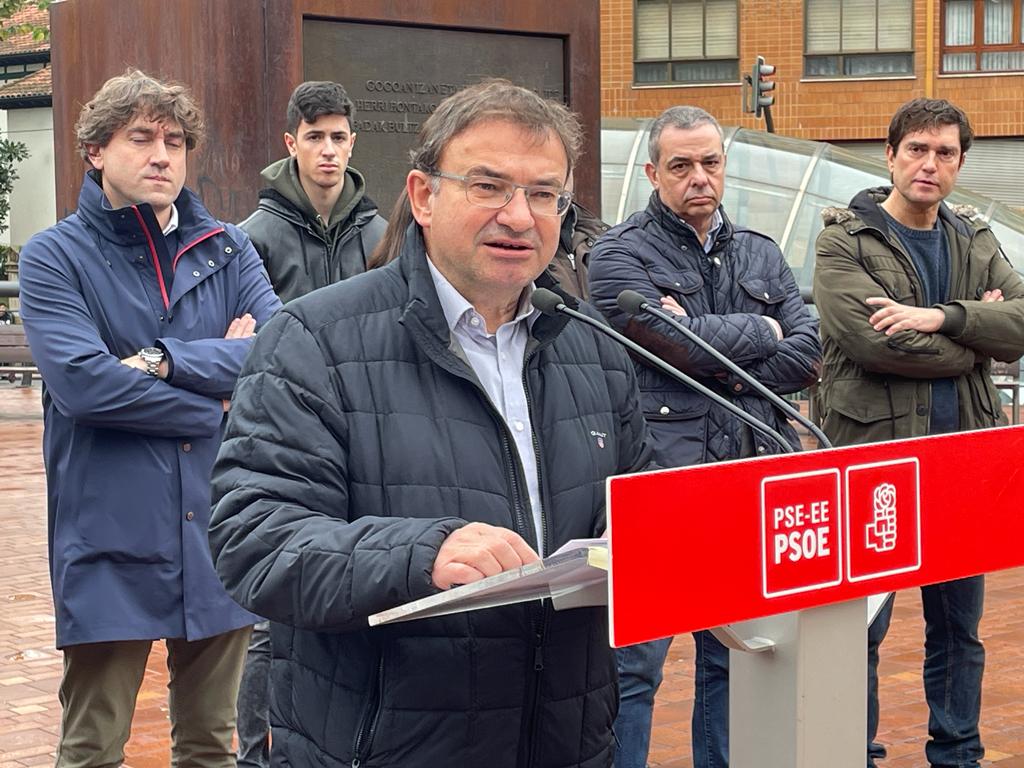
[420,426]
[916,299]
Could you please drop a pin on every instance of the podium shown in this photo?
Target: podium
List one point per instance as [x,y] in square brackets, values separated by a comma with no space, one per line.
[779,556]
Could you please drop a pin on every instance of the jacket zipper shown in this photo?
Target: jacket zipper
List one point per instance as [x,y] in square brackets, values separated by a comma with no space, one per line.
[332,249]
[364,735]
[537,455]
[538,623]
[517,502]
[156,259]
[538,668]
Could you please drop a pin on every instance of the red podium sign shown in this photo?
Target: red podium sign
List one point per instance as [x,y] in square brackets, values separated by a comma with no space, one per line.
[704,546]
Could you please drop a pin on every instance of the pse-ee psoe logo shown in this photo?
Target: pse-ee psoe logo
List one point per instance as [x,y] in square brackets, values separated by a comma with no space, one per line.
[883,519]
[801,532]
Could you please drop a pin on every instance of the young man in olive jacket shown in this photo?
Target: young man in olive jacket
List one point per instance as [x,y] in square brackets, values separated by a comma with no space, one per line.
[420,426]
[315,224]
[915,300]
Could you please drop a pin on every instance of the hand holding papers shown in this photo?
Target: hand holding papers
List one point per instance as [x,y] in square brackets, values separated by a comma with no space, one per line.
[575,576]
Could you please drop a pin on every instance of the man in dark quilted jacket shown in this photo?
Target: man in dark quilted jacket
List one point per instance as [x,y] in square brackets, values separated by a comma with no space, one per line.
[420,426]
[732,287]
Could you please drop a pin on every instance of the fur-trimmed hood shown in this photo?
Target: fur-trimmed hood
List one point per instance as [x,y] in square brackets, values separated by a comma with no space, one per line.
[865,206]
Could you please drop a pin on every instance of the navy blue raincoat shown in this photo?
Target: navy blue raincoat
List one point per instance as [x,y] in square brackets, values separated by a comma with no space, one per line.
[128,456]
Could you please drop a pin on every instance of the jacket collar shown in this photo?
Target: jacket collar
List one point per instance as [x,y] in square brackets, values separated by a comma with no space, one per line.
[675,228]
[124,226]
[866,206]
[423,308]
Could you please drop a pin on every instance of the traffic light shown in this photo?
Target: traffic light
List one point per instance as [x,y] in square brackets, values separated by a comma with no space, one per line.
[761,86]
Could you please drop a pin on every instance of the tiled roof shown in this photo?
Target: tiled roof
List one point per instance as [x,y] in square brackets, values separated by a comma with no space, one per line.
[25,43]
[34,85]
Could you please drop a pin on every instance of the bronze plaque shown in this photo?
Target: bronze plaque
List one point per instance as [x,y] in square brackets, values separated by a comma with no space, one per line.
[396,75]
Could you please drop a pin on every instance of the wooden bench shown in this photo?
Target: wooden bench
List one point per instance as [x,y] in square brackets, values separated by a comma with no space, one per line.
[15,356]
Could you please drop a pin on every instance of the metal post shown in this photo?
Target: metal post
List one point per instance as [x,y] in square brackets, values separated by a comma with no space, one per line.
[803,704]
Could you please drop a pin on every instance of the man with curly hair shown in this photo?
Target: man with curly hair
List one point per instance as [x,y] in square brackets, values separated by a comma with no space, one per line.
[140,308]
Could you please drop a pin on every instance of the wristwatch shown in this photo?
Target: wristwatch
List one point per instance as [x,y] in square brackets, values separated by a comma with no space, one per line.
[152,357]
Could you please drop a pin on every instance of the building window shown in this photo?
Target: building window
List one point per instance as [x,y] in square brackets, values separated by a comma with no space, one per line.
[686,41]
[17,71]
[982,36]
[859,38]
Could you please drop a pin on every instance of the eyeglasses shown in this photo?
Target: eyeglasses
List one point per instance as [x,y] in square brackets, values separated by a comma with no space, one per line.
[489,192]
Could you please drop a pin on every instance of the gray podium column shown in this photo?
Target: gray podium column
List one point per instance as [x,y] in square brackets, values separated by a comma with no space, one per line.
[803,703]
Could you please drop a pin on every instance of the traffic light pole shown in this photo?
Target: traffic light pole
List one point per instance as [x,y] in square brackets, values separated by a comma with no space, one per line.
[758,87]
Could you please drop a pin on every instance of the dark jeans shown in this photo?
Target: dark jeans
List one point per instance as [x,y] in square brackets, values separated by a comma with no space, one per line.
[640,675]
[254,702]
[954,662]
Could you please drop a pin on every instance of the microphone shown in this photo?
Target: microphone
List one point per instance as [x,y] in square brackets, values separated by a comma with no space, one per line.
[550,303]
[634,303]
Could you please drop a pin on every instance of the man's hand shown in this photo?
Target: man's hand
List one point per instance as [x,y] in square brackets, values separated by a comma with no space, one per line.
[994,295]
[241,327]
[671,305]
[476,551]
[893,317]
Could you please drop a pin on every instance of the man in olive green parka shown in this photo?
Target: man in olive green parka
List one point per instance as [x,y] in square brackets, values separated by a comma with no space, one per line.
[916,298]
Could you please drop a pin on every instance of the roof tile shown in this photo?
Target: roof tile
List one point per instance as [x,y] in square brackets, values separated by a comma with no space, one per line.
[35,84]
[25,43]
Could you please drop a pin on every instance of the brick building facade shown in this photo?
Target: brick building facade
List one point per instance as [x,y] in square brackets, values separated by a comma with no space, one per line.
[830,108]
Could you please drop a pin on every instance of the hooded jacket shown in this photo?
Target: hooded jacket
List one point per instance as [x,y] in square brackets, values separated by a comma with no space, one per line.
[300,250]
[876,387]
[128,456]
[726,295]
[358,439]
[580,230]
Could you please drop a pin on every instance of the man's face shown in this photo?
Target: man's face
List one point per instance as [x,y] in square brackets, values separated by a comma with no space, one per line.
[486,253]
[690,174]
[144,162]
[926,164]
[322,149]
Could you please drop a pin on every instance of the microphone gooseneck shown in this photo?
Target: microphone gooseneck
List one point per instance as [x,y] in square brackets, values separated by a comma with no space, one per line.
[550,303]
[634,303]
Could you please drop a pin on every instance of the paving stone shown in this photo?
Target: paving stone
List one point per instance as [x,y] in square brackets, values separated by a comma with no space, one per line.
[30,667]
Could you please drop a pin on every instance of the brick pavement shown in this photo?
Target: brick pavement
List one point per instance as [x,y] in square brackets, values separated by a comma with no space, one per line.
[30,668]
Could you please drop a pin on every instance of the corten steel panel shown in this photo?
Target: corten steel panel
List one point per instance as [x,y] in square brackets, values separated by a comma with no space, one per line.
[243,58]
[576,22]
[398,79]
[214,46]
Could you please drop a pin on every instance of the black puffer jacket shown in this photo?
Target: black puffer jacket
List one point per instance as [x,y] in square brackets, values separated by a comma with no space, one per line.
[725,294]
[300,253]
[357,441]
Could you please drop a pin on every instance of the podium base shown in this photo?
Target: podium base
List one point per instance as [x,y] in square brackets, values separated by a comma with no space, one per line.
[804,703]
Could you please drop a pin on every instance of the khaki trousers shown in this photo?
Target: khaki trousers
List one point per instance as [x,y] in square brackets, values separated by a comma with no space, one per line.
[102,680]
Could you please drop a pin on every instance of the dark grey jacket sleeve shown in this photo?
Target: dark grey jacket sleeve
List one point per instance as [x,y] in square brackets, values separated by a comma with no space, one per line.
[796,362]
[285,542]
[744,337]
